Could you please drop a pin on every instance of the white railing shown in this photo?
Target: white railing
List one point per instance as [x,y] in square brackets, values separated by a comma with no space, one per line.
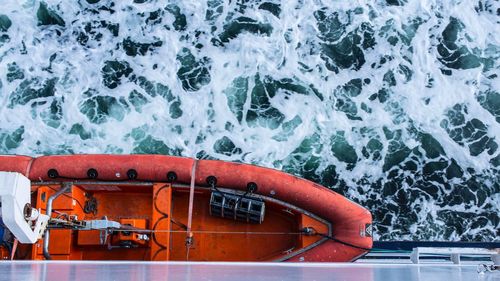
[454,253]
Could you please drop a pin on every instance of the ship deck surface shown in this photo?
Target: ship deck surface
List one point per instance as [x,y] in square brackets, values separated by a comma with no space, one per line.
[123,271]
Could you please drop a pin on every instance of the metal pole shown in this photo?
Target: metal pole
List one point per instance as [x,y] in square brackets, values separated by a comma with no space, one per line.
[46,238]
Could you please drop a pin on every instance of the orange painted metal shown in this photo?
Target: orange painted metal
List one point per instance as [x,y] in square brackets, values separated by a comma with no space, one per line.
[161,222]
[348,218]
[134,237]
[88,238]
[350,222]
[317,226]
[218,239]
[4,253]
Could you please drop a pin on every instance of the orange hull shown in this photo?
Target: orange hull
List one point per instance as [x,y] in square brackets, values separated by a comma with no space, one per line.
[145,201]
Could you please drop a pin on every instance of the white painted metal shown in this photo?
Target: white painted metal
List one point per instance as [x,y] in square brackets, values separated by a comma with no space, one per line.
[14,195]
[454,253]
[496,257]
[101,224]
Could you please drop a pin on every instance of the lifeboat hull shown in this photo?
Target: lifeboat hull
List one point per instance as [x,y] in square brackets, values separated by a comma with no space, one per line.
[303,222]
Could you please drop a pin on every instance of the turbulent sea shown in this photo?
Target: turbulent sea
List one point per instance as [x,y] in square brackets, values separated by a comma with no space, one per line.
[392,103]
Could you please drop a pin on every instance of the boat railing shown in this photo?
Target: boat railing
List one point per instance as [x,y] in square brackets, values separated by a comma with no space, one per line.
[432,252]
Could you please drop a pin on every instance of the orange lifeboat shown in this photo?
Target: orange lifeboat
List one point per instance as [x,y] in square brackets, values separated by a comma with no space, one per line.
[178,209]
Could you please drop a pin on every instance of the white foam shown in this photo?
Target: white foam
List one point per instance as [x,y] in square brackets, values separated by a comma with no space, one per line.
[79,69]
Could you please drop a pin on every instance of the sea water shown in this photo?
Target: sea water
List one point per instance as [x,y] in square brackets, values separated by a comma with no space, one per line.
[392,103]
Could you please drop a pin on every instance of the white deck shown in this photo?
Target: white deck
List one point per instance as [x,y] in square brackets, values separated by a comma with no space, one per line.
[124,271]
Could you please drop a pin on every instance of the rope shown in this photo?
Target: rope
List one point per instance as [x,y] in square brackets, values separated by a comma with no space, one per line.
[191,196]
[306,231]
[211,232]
[343,242]
[189,233]
[312,231]
[303,232]
[14,248]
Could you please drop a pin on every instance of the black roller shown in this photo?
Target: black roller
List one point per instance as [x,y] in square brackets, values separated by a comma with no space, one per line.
[132,174]
[251,187]
[52,173]
[171,176]
[211,180]
[92,173]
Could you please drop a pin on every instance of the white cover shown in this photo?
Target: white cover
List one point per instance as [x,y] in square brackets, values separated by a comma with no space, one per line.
[14,194]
